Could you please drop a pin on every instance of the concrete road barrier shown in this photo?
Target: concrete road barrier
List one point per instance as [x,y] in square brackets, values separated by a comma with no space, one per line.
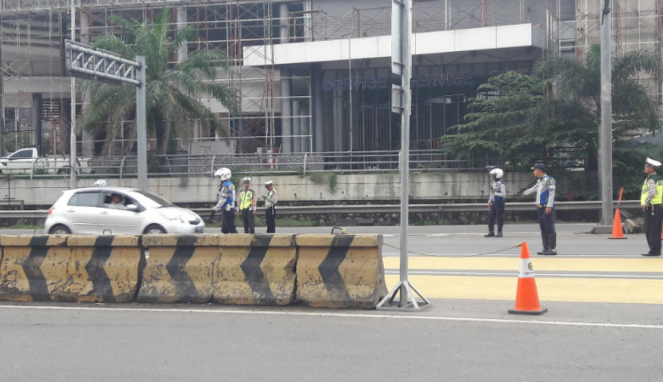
[227,269]
[340,271]
[180,268]
[256,270]
[331,271]
[70,268]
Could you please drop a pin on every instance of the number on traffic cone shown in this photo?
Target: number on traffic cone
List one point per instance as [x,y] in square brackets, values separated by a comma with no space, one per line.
[527,297]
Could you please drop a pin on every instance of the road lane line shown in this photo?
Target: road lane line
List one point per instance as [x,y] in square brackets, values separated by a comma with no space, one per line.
[623,291]
[558,264]
[538,274]
[395,316]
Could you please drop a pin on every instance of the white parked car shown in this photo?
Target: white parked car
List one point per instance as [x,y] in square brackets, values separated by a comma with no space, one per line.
[27,160]
[119,211]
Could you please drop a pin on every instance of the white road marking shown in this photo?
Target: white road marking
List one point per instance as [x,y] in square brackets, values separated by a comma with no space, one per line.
[515,273]
[505,254]
[340,315]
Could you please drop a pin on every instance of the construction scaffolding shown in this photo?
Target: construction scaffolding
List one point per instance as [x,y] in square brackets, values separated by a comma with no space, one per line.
[32,32]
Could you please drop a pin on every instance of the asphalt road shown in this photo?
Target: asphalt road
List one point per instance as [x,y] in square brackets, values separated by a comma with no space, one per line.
[605,323]
[450,342]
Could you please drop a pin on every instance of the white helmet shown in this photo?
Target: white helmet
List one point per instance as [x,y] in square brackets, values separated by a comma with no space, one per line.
[224,173]
[100,183]
[246,180]
[497,173]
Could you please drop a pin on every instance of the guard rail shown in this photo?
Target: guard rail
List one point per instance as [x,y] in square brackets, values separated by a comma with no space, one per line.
[381,208]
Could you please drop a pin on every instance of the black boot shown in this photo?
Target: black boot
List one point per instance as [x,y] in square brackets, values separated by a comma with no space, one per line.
[552,244]
[544,239]
[499,234]
[489,234]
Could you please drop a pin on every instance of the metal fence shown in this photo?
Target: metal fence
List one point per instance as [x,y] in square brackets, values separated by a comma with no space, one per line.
[384,209]
[257,163]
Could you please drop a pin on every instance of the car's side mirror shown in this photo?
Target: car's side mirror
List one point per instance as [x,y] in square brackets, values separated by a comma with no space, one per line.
[132,207]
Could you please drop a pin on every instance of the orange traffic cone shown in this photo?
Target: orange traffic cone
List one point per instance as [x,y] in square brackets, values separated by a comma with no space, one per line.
[617,230]
[527,297]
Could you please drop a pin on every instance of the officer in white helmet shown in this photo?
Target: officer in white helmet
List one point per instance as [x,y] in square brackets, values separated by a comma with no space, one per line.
[100,183]
[496,203]
[226,200]
[270,198]
[651,201]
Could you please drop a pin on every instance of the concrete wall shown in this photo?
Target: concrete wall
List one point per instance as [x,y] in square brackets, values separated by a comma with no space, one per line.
[292,189]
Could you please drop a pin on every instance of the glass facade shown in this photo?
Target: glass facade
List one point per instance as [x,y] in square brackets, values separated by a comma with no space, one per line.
[356,110]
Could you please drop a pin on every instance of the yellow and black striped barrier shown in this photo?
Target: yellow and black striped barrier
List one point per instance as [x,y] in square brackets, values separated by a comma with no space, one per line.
[340,271]
[180,268]
[256,270]
[228,269]
[332,271]
[70,268]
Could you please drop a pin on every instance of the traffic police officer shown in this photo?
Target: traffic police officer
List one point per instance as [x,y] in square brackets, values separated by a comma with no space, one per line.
[545,208]
[247,206]
[496,202]
[651,199]
[226,200]
[271,198]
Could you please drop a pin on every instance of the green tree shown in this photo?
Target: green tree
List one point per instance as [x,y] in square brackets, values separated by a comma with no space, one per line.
[519,118]
[172,90]
[633,107]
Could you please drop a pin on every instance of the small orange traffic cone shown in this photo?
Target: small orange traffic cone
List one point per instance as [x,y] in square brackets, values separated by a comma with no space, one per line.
[617,230]
[527,297]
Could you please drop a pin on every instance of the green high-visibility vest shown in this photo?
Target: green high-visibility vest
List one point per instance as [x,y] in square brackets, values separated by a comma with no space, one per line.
[658,199]
[246,200]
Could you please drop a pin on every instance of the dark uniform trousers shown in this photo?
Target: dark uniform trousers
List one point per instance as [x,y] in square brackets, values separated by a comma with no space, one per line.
[546,221]
[229,222]
[270,215]
[248,220]
[653,227]
[496,212]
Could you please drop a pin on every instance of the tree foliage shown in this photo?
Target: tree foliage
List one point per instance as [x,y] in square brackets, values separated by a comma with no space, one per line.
[518,118]
[173,91]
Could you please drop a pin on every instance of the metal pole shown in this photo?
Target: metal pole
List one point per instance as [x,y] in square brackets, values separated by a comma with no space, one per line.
[605,140]
[72,133]
[405,144]
[402,64]
[141,123]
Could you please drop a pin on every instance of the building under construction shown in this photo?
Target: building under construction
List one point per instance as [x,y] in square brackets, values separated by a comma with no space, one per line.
[312,75]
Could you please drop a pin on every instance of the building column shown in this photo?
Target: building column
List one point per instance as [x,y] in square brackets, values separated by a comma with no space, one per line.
[182,51]
[286,112]
[36,121]
[305,128]
[318,137]
[283,16]
[87,137]
[296,126]
[65,111]
[308,21]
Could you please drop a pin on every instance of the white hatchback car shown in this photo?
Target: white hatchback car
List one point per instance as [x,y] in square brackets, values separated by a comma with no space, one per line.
[119,211]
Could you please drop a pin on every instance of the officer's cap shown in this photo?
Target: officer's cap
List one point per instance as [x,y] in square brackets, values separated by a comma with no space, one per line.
[539,166]
[652,163]
[269,183]
[246,180]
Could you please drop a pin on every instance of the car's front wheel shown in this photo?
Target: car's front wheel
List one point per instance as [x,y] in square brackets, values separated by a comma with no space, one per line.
[154,229]
[60,230]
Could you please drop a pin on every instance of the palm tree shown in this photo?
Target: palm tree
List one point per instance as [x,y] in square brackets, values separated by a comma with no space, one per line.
[172,90]
[579,84]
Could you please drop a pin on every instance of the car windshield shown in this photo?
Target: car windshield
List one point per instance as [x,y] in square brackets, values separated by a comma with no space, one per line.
[154,200]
